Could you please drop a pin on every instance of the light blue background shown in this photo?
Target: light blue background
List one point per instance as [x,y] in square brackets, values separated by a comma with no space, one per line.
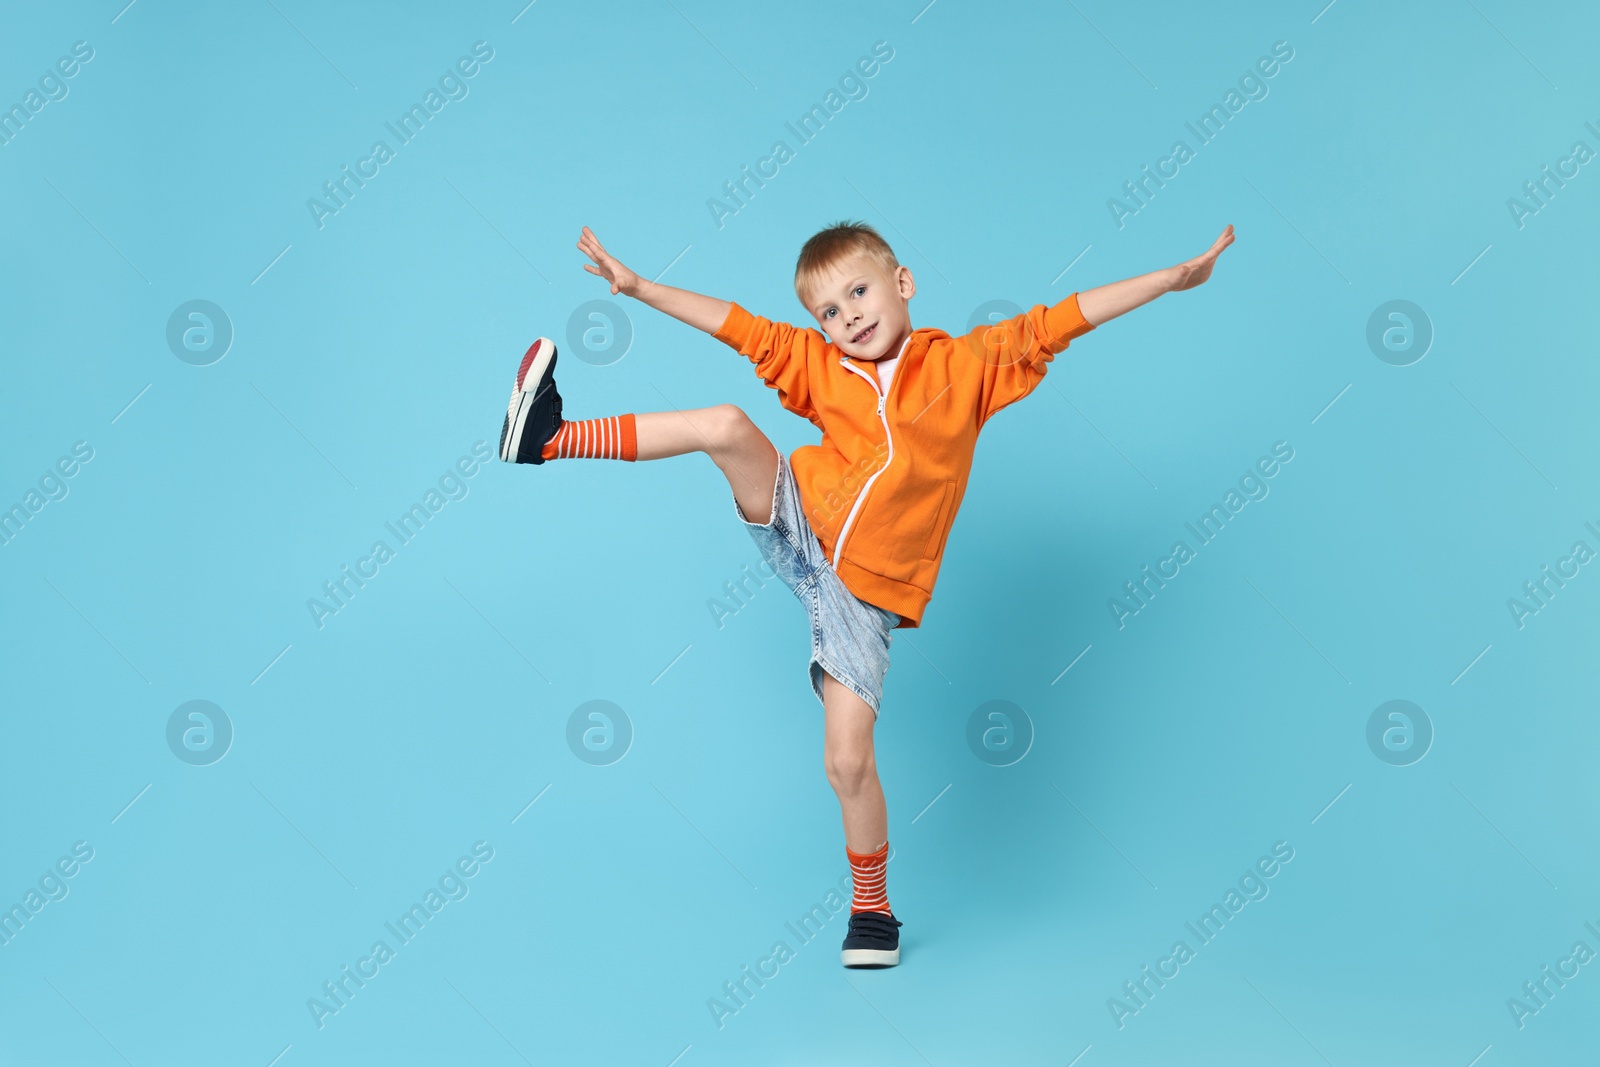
[427,714]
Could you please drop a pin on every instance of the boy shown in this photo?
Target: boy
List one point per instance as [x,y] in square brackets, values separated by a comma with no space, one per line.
[855,525]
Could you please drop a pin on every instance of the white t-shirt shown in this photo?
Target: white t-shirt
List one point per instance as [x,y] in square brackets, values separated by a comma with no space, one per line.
[886,372]
[886,367]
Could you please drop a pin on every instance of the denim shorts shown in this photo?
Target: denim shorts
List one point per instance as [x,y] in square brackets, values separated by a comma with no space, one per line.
[850,638]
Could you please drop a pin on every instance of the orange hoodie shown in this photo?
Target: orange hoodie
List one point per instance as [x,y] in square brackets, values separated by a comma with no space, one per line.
[883,487]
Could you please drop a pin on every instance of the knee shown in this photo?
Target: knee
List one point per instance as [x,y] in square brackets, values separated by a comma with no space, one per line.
[731,428]
[850,768]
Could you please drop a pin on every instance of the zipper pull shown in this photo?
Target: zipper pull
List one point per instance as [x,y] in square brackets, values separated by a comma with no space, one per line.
[881,399]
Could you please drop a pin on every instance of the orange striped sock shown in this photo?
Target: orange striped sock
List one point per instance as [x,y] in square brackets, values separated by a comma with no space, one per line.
[609,438]
[870,878]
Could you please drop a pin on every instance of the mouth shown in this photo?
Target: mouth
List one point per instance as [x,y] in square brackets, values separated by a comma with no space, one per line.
[864,335]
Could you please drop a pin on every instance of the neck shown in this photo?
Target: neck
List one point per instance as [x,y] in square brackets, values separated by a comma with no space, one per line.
[892,353]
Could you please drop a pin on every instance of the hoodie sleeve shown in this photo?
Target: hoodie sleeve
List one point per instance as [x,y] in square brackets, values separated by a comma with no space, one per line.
[782,354]
[1011,356]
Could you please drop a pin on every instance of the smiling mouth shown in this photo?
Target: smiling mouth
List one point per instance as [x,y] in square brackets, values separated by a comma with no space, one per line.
[864,334]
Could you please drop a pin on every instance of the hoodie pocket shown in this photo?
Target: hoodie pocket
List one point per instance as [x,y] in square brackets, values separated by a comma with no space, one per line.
[941,522]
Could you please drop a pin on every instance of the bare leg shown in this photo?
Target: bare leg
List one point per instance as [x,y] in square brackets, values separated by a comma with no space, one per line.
[852,768]
[725,433]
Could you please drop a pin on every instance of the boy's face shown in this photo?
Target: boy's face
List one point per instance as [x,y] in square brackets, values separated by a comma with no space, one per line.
[862,308]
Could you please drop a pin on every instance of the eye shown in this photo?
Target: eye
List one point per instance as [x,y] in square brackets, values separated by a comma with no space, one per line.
[861,289]
[829,313]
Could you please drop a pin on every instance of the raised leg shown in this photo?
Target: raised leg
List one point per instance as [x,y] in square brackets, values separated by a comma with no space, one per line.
[725,433]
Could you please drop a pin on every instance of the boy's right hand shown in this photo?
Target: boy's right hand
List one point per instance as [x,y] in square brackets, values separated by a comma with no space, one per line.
[702,312]
[622,279]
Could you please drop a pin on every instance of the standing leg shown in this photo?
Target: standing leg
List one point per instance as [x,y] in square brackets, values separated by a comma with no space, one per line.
[853,772]
[874,937]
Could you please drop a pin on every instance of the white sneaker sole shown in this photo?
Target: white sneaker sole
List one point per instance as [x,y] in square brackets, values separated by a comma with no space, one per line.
[522,400]
[869,957]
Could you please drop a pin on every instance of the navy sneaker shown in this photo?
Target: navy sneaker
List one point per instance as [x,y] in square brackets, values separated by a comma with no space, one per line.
[873,940]
[534,414]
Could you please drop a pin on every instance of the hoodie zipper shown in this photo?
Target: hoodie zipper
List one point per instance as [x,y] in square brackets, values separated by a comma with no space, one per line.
[838,549]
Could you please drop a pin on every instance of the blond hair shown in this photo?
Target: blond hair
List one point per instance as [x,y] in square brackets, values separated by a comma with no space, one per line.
[827,248]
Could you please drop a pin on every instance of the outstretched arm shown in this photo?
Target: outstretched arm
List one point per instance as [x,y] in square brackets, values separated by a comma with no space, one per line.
[1108,301]
[702,312]
[781,354]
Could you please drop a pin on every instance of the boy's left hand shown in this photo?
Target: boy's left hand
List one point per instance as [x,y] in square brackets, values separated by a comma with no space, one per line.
[1190,274]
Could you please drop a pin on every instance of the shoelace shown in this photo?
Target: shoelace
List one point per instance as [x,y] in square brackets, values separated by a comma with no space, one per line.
[873,924]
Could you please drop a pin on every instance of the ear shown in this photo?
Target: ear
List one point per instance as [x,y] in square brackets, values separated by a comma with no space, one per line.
[905,284]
